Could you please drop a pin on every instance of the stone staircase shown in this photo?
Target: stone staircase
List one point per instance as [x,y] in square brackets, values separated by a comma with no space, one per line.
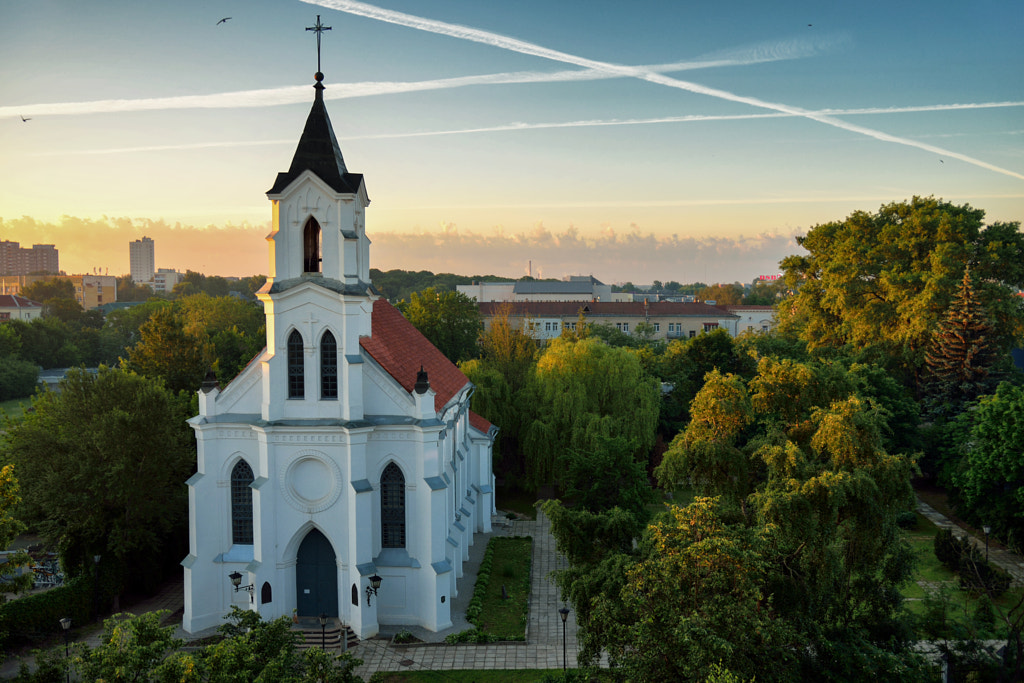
[335,636]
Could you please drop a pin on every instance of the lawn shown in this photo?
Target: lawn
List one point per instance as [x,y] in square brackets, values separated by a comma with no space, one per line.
[937,576]
[14,408]
[509,567]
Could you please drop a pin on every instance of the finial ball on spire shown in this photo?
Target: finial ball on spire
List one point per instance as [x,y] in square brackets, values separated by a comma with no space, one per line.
[318,76]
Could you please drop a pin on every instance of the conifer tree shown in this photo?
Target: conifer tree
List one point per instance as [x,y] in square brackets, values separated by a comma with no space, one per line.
[962,356]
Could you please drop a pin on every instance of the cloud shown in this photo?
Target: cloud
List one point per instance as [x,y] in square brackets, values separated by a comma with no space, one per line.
[272,97]
[610,255]
[512,127]
[527,48]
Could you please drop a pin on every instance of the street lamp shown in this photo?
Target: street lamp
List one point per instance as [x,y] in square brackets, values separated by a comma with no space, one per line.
[236,581]
[564,613]
[987,529]
[65,624]
[323,631]
[372,588]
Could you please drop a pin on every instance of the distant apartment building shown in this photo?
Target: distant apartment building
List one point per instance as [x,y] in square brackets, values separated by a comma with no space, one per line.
[164,280]
[572,288]
[16,260]
[141,260]
[545,320]
[91,291]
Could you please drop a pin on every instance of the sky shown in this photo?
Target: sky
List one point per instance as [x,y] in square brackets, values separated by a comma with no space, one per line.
[632,141]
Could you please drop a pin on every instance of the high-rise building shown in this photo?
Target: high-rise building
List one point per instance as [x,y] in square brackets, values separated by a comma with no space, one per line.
[16,260]
[143,264]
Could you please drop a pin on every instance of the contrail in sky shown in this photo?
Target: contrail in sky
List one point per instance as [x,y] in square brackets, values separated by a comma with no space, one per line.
[523,47]
[592,123]
[270,97]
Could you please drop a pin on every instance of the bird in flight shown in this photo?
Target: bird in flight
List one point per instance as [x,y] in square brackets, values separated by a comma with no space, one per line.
[222,21]
[24,120]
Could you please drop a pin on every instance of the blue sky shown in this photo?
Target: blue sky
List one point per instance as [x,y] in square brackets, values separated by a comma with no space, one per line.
[633,141]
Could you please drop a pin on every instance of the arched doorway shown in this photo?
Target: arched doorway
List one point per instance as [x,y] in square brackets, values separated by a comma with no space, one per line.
[316,577]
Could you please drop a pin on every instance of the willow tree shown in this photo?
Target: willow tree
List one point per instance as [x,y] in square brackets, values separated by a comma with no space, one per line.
[582,390]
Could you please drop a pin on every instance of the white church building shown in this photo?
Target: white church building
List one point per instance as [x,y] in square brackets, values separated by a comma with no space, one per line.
[346,451]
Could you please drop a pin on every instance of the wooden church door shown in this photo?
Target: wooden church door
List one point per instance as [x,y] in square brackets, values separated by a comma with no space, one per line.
[316,577]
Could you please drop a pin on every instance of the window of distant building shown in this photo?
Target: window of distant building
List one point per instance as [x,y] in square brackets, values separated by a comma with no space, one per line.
[392,507]
[328,366]
[296,368]
[710,326]
[693,333]
[241,503]
[657,327]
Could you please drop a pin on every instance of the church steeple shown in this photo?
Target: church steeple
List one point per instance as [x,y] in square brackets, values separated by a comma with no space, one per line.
[318,151]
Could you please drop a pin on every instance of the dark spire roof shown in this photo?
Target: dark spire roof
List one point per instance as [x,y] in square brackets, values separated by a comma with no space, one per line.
[318,151]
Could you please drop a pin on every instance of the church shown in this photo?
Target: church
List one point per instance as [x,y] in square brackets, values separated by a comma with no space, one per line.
[341,473]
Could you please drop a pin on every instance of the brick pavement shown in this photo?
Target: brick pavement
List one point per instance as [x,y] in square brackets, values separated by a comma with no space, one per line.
[543,646]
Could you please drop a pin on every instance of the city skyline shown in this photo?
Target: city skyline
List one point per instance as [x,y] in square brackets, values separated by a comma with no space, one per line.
[631,143]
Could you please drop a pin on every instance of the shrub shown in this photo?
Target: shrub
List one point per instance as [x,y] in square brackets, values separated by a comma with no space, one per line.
[906,519]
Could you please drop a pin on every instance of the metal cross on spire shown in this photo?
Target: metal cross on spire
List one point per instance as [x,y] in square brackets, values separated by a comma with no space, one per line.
[319,28]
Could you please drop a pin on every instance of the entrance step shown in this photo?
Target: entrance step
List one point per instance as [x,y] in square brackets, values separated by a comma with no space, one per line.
[335,636]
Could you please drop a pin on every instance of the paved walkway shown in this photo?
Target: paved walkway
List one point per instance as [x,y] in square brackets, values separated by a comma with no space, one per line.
[1011,562]
[544,629]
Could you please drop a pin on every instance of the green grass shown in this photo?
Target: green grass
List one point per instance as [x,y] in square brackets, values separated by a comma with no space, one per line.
[922,541]
[510,566]
[14,409]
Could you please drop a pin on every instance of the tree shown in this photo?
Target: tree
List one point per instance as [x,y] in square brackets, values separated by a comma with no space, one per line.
[991,476]
[167,350]
[961,360]
[695,600]
[130,648]
[102,464]
[722,295]
[129,290]
[44,290]
[582,390]
[450,320]
[10,498]
[882,281]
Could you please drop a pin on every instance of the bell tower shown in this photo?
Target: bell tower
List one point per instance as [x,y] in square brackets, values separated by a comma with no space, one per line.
[318,296]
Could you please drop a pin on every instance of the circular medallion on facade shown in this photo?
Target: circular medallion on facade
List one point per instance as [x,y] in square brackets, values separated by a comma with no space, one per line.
[311,483]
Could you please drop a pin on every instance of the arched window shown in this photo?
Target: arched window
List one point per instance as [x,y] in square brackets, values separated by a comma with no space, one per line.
[355,595]
[296,371]
[392,507]
[266,595]
[311,246]
[241,503]
[328,366]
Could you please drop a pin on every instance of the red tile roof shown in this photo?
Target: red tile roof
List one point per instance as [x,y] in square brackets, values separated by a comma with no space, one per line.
[15,301]
[479,422]
[598,308]
[401,349]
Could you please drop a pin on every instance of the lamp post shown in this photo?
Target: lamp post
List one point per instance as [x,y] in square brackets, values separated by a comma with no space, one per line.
[564,613]
[372,588]
[236,581]
[323,631]
[65,624]
[987,529]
